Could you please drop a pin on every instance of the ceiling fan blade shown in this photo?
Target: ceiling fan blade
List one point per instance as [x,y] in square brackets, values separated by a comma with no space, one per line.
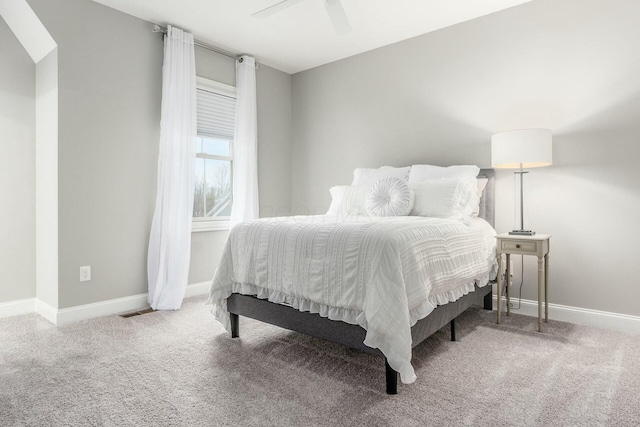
[274,8]
[338,17]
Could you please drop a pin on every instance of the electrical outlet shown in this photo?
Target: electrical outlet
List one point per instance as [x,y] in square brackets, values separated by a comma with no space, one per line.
[85,273]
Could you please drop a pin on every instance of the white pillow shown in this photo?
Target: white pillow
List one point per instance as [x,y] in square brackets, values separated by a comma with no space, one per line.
[390,197]
[421,173]
[348,200]
[363,176]
[481,184]
[445,198]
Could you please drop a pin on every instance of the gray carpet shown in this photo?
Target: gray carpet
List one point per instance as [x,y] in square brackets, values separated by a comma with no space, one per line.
[182,369]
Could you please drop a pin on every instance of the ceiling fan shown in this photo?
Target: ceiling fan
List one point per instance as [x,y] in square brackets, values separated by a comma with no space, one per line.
[334,9]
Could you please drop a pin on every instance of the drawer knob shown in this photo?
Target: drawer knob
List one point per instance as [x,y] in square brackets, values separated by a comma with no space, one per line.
[518,246]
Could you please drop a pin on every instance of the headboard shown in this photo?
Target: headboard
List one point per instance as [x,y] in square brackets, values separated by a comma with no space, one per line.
[488,199]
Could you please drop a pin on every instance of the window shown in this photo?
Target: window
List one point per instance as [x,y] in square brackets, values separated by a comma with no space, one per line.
[213,197]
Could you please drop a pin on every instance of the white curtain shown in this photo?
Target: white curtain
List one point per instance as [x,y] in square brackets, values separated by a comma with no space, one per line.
[170,240]
[245,148]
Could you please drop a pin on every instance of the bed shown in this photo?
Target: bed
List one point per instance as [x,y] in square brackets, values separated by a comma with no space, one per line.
[380,319]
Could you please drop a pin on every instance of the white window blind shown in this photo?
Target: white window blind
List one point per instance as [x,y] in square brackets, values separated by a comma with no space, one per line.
[216,114]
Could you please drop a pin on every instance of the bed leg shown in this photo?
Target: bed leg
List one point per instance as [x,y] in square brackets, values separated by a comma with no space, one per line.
[235,325]
[488,301]
[392,378]
[453,330]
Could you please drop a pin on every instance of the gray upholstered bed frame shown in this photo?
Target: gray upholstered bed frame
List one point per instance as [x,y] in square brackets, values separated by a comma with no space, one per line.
[353,335]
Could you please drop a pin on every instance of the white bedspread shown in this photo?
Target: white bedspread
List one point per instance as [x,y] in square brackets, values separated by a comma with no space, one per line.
[383,274]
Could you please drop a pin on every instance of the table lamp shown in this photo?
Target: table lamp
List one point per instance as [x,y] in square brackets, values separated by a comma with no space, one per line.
[520,149]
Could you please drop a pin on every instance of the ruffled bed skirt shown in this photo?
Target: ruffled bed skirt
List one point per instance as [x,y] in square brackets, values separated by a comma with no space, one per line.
[218,300]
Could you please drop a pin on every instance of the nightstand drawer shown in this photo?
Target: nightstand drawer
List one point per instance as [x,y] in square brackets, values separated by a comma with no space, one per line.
[526,247]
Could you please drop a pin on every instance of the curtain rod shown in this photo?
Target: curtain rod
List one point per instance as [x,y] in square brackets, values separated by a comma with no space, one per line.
[159,29]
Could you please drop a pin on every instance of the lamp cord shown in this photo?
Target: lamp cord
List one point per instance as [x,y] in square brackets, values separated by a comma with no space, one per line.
[521,283]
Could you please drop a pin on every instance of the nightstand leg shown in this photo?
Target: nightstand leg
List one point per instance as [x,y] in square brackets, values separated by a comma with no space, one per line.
[499,290]
[546,288]
[540,286]
[508,287]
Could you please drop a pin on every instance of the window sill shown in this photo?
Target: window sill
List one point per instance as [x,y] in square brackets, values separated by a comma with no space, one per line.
[200,226]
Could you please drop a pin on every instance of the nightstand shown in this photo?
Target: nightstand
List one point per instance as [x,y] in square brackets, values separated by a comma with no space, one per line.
[537,245]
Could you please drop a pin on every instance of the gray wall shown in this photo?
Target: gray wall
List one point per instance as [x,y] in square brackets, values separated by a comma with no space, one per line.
[109,115]
[109,109]
[274,141]
[17,169]
[568,65]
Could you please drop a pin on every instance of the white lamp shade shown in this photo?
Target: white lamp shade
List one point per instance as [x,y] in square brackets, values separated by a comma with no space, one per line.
[526,148]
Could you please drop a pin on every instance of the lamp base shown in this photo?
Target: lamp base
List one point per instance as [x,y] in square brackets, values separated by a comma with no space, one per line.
[522,233]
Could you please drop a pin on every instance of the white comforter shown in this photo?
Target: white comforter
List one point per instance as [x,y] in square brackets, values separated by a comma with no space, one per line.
[383,274]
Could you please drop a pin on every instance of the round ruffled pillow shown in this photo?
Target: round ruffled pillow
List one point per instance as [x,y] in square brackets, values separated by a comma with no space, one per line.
[390,197]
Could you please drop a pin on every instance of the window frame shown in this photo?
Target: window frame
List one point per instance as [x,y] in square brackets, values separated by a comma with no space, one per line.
[199,224]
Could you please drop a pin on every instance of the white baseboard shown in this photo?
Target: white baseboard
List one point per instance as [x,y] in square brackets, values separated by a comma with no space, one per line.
[583,316]
[16,308]
[197,289]
[88,311]
[118,305]
[100,309]
[46,311]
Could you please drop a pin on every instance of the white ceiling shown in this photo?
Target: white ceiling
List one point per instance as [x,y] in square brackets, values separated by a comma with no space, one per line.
[302,37]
